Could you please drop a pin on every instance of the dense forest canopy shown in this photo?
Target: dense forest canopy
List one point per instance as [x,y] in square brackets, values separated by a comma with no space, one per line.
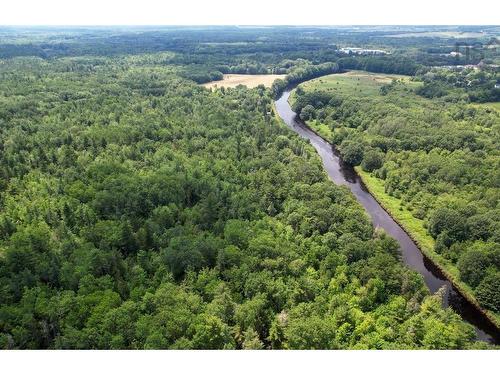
[204,51]
[141,210]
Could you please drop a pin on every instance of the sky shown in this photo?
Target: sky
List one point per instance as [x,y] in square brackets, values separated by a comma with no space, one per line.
[249,12]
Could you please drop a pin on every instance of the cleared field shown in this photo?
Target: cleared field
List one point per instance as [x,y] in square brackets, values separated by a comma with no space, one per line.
[355,82]
[494,105]
[439,34]
[248,80]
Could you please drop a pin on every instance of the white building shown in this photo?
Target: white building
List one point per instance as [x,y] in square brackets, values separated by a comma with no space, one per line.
[362,51]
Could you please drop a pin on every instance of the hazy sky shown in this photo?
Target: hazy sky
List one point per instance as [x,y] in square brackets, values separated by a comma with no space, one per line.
[247,12]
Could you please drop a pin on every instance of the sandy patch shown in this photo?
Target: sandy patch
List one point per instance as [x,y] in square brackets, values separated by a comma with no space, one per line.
[248,80]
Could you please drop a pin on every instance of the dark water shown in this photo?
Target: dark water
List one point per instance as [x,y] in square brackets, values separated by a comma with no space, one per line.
[342,174]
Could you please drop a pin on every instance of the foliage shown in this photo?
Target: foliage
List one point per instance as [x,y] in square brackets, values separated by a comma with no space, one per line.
[372,159]
[142,211]
[351,152]
[477,85]
[488,292]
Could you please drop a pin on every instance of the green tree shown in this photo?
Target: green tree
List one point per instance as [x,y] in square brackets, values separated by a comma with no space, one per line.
[472,266]
[307,113]
[351,152]
[251,340]
[212,333]
[488,292]
[449,221]
[372,160]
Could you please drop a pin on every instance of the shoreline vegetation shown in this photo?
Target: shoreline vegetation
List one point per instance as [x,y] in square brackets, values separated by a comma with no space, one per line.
[414,227]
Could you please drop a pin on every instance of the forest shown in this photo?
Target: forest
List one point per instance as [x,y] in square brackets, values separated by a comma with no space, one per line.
[139,210]
[438,158]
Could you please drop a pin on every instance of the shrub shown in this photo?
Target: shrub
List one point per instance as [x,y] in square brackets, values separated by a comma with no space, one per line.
[351,152]
[372,160]
[488,292]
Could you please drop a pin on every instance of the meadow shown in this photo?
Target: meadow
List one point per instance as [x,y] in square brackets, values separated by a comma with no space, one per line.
[355,82]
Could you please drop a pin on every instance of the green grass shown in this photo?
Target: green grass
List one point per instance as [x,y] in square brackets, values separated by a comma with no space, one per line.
[394,206]
[322,129]
[416,230]
[494,105]
[355,83]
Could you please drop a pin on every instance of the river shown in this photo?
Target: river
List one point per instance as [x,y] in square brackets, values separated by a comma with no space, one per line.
[342,174]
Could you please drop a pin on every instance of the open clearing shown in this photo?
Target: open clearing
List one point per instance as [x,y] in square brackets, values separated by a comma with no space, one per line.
[248,80]
[439,34]
[494,105]
[355,82]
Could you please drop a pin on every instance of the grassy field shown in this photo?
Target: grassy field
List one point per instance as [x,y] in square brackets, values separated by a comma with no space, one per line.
[494,105]
[322,129]
[355,83]
[439,34]
[352,83]
[248,80]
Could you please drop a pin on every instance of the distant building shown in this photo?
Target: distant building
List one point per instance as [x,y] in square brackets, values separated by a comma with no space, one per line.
[362,51]
[457,67]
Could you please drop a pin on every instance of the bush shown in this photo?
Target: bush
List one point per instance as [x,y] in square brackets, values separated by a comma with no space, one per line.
[351,152]
[372,160]
[488,292]
[451,221]
[472,266]
[307,113]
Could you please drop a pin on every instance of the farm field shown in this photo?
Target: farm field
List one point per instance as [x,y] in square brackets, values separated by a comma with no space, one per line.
[355,82]
[248,80]
[440,34]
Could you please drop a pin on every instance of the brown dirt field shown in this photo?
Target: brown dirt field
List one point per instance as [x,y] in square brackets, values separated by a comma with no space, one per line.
[249,80]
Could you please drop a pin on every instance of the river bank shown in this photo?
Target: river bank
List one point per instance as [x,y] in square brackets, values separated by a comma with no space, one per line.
[413,257]
[423,241]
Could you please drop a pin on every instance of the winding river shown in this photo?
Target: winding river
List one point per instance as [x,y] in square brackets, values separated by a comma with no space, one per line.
[342,174]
